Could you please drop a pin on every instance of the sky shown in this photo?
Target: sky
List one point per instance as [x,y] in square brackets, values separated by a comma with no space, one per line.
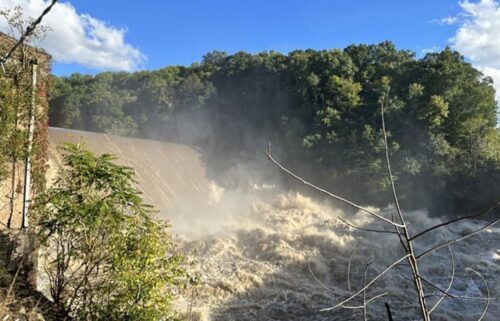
[90,36]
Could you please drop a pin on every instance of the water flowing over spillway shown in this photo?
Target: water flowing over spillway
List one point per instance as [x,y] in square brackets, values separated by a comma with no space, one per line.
[265,253]
[170,176]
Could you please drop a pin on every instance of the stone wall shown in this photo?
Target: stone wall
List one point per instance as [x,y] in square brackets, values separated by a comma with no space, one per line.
[18,256]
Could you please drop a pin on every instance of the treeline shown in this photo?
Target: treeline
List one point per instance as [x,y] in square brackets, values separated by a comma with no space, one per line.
[321,110]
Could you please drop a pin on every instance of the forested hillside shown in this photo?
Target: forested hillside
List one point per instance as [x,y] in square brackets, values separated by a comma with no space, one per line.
[320,109]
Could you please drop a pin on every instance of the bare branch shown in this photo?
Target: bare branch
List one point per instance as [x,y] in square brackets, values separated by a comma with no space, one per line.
[388,308]
[368,285]
[437,247]
[464,297]
[319,189]
[355,307]
[451,279]
[487,293]
[454,296]
[483,213]
[403,245]
[349,273]
[408,246]
[365,304]
[324,286]
[376,297]
[29,31]
[364,229]
[444,292]
[389,170]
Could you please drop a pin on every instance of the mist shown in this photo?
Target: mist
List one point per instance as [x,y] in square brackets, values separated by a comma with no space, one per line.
[267,247]
[320,111]
[268,250]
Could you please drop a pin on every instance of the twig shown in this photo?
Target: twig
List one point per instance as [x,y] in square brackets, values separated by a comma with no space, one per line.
[444,292]
[11,287]
[451,279]
[389,314]
[437,247]
[486,212]
[319,189]
[29,30]
[389,170]
[400,237]
[354,307]
[324,286]
[190,310]
[454,296]
[464,297]
[364,229]
[376,297]
[365,304]
[368,285]
[349,273]
[487,293]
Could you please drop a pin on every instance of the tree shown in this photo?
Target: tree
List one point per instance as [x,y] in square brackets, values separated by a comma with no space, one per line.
[398,226]
[108,257]
[322,107]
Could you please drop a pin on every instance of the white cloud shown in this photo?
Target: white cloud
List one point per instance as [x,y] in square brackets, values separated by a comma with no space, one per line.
[80,38]
[494,73]
[478,37]
[449,20]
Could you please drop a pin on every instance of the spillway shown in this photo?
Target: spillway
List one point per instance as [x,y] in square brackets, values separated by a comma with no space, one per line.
[268,254]
[171,176]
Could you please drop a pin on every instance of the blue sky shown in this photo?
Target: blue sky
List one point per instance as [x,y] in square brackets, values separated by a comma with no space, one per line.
[180,32]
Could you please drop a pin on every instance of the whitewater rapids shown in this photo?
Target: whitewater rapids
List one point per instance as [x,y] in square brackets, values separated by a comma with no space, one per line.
[288,258]
[267,254]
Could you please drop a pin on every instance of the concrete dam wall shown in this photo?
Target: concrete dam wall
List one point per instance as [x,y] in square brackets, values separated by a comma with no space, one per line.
[171,176]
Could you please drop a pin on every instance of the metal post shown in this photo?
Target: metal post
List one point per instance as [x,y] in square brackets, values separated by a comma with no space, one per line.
[31,129]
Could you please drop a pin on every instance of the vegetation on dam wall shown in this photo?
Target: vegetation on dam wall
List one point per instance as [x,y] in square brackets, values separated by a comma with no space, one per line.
[320,111]
[17,111]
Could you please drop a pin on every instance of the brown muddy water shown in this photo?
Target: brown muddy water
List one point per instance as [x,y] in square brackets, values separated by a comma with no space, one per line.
[265,253]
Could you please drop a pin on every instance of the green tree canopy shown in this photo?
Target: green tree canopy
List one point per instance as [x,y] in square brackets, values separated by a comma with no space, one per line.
[320,110]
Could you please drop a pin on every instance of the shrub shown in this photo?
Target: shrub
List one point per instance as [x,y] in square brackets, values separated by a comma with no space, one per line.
[108,257]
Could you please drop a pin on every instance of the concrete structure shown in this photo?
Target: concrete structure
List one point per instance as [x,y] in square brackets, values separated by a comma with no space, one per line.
[19,256]
[13,187]
[18,248]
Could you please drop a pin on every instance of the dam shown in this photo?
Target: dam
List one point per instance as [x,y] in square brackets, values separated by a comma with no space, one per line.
[170,176]
[275,254]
